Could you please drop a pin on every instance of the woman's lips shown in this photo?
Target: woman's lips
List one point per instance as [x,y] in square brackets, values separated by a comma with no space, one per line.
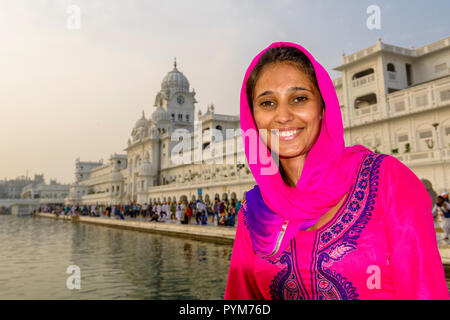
[287,134]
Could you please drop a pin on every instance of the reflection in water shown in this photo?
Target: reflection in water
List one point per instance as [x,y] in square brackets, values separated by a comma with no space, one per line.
[114,263]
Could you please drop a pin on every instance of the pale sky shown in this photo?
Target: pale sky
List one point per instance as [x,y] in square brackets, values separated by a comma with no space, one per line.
[67,93]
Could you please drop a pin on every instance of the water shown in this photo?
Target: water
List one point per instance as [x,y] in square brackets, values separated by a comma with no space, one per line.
[114,263]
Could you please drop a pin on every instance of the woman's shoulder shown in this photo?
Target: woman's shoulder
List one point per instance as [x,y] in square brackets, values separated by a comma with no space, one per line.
[387,167]
[395,172]
[399,186]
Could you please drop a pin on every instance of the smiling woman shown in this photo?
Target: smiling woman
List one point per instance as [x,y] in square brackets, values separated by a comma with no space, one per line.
[287,101]
[331,222]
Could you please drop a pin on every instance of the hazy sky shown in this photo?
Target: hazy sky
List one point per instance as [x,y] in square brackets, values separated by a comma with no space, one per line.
[67,93]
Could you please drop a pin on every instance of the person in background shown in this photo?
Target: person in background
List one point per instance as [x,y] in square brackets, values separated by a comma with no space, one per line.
[185,217]
[120,212]
[173,209]
[222,208]
[209,210]
[135,210]
[204,214]
[216,210]
[232,215]
[198,212]
[189,213]
[442,207]
[179,211]
[445,196]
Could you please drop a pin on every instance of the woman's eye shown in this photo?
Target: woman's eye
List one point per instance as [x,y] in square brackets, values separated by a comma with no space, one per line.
[300,99]
[266,104]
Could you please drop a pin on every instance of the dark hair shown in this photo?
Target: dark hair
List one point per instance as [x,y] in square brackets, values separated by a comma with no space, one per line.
[282,53]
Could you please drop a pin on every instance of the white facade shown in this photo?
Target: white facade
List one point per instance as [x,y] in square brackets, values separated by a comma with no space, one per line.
[393,100]
[13,188]
[42,193]
[148,172]
[397,101]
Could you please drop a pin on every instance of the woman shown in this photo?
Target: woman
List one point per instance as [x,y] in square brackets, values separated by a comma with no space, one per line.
[331,222]
[179,211]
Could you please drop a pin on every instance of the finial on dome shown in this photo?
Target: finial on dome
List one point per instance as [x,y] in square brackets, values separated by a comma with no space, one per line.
[175,62]
[143,114]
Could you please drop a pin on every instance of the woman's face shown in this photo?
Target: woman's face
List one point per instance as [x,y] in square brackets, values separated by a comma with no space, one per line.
[286,103]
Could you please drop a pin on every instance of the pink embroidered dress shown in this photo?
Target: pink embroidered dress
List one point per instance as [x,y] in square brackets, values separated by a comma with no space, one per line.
[381,244]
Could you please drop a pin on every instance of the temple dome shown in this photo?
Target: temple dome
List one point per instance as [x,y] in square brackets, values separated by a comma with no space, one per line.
[175,80]
[142,122]
[159,114]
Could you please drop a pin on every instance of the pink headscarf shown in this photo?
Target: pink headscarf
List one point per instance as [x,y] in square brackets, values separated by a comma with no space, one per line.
[329,171]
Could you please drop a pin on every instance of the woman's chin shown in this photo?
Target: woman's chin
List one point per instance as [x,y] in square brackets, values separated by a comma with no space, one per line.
[289,154]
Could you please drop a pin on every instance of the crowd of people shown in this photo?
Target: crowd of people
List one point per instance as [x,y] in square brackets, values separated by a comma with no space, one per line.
[441,212]
[221,213]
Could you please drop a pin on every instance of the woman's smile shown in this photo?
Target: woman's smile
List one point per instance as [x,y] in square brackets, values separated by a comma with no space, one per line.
[287,134]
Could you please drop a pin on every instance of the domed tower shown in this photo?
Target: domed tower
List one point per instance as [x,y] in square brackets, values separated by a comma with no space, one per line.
[160,119]
[140,129]
[177,100]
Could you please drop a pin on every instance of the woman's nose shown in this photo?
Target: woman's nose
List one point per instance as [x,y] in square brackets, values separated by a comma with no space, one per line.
[284,113]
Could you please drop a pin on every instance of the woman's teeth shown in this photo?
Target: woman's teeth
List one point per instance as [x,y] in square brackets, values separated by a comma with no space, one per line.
[287,133]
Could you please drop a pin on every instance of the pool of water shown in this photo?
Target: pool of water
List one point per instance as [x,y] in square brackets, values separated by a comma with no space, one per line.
[114,264]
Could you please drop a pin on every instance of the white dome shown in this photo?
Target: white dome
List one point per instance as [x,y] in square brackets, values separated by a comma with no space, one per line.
[146,169]
[142,122]
[175,80]
[160,114]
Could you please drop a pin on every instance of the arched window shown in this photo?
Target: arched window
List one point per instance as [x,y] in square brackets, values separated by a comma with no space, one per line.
[402,141]
[425,139]
[363,73]
[390,67]
[446,136]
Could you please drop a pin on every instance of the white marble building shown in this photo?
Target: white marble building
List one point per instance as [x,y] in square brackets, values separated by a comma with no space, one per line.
[397,101]
[394,100]
[43,193]
[149,172]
